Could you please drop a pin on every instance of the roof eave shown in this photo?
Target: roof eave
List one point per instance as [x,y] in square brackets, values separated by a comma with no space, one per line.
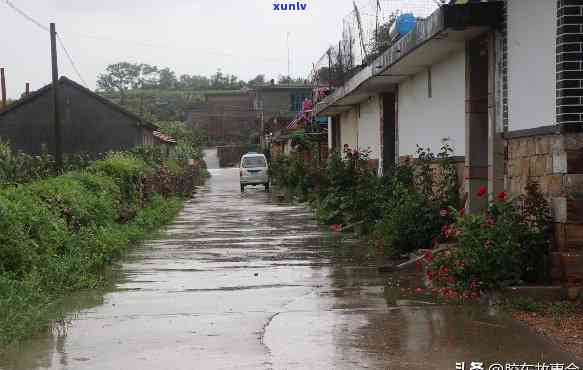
[390,68]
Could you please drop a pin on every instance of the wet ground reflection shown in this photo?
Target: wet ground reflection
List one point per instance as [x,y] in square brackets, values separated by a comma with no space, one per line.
[247,281]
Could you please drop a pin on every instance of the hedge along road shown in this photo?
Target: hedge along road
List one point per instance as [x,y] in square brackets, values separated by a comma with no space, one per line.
[244,281]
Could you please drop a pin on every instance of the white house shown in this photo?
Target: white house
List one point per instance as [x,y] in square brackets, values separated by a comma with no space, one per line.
[502,81]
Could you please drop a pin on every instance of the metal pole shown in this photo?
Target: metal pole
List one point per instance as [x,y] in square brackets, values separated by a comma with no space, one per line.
[56,118]
[3,83]
[27,89]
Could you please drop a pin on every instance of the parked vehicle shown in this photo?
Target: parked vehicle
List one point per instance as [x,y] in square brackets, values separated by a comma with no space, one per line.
[253,170]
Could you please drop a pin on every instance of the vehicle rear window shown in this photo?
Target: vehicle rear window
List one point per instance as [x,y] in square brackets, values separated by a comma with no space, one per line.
[254,162]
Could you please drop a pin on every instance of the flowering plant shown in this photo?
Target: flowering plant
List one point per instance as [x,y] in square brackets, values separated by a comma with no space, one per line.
[502,246]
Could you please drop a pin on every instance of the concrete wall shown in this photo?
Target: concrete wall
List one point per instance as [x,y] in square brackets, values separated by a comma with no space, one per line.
[226,118]
[277,101]
[427,120]
[369,133]
[349,128]
[531,63]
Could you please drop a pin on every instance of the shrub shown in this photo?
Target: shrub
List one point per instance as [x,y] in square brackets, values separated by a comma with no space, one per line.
[57,235]
[509,244]
[409,222]
[127,172]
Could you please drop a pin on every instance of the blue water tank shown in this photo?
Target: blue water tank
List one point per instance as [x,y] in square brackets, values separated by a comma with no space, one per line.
[405,23]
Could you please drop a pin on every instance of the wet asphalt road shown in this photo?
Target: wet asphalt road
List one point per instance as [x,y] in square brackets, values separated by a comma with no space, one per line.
[244,281]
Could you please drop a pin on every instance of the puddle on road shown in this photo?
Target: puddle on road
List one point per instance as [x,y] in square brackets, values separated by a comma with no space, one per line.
[249,282]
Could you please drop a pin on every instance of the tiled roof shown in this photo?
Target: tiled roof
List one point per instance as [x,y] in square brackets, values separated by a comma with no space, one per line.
[64,80]
[164,138]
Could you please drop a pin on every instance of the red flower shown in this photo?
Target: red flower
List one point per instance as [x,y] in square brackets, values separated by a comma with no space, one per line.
[429,275]
[481,191]
[502,195]
[444,271]
[446,292]
[473,285]
[336,228]
[429,256]
[445,230]
[444,213]
[462,212]
[419,265]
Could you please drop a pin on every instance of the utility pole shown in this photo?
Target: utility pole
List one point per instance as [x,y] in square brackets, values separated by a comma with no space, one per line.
[288,61]
[56,117]
[3,84]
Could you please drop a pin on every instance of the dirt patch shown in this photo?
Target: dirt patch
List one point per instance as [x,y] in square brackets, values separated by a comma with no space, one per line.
[565,328]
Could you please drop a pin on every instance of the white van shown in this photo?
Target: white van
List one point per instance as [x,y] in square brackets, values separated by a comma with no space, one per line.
[253,170]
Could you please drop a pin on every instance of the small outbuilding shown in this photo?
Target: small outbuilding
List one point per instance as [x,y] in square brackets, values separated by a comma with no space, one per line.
[90,123]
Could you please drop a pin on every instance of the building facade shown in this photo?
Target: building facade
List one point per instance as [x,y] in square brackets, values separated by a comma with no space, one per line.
[226,117]
[90,123]
[501,82]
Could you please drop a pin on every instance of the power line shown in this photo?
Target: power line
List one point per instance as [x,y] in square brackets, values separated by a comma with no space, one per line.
[71,60]
[44,28]
[26,16]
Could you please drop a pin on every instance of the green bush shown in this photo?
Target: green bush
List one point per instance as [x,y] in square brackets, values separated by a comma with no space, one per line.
[127,171]
[18,167]
[409,221]
[58,234]
[508,244]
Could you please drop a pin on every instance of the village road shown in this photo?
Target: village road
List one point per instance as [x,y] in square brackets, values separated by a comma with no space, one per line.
[245,281]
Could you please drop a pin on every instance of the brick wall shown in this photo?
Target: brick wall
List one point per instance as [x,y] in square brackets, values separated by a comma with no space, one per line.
[569,62]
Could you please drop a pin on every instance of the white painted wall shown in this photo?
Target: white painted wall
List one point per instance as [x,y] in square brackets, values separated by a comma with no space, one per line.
[531,63]
[349,128]
[369,132]
[426,121]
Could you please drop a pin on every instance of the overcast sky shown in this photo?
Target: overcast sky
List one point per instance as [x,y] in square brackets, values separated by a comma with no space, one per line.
[242,37]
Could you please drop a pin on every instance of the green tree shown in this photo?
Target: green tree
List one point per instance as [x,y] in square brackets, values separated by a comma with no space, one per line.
[258,80]
[167,79]
[120,77]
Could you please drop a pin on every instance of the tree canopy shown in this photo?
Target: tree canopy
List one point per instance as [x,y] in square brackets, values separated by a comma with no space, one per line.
[124,76]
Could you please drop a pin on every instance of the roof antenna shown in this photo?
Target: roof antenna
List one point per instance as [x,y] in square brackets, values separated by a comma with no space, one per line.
[362,43]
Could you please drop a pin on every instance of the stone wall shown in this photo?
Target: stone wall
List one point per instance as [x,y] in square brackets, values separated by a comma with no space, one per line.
[531,158]
[555,161]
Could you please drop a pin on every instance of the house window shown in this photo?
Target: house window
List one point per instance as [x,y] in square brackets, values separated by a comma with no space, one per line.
[297,101]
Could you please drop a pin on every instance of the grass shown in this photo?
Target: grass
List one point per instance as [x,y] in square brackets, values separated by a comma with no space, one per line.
[27,304]
[59,235]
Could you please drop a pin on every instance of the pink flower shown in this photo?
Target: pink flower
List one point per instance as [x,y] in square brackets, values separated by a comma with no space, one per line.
[418,290]
[444,213]
[481,191]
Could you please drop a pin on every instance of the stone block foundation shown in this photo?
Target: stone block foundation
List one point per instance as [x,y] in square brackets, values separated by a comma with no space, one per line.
[554,160]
